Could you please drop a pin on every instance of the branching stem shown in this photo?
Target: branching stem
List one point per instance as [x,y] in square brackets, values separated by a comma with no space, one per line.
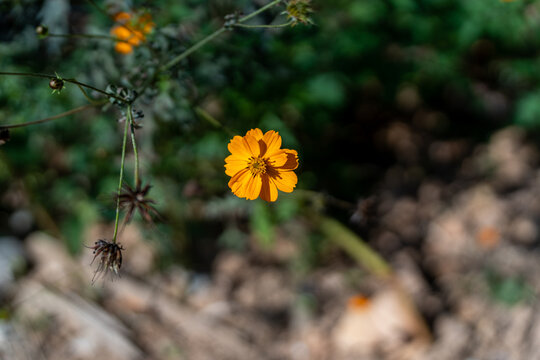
[263,26]
[40,121]
[72,81]
[88,36]
[213,35]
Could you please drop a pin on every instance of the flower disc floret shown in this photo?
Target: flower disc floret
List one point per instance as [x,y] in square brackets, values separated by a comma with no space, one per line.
[258,167]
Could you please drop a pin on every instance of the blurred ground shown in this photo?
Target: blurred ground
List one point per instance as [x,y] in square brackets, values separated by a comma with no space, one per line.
[464,252]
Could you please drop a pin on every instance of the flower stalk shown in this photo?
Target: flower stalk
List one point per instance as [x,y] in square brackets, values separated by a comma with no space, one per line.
[47,119]
[121,178]
[87,36]
[72,81]
[356,247]
[134,143]
[264,26]
[214,35]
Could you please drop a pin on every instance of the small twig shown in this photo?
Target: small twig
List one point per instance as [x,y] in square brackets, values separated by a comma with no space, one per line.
[40,121]
[73,81]
[212,36]
[263,26]
[88,36]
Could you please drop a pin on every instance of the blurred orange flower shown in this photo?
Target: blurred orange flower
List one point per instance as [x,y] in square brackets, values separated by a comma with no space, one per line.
[259,167]
[131,31]
[359,302]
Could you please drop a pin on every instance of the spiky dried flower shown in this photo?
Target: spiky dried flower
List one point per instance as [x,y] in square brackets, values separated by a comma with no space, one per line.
[132,200]
[298,11]
[110,257]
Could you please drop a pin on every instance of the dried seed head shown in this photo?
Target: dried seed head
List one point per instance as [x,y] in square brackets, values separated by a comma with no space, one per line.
[136,199]
[298,11]
[110,258]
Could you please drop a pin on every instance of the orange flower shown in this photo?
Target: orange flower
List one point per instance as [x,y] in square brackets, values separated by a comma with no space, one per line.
[359,302]
[123,48]
[131,31]
[259,167]
[122,17]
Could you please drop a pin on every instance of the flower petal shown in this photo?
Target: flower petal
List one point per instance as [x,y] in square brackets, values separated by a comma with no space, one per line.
[123,48]
[232,168]
[273,141]
[292,160]
[256,133]
[253,187]
[122,16]
[236,147]
[121,32]
[268,189]
[285,181]
[237,182]
[278,159]
[252,145]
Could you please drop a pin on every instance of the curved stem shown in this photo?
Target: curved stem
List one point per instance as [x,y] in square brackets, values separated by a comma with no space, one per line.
[263,26]
[212,120]
[213,35]
[93,3]
[192,49]
[121,179]
[134,143]
[72,81]
[40,121]
[92,101]
[88,36]
[255,13]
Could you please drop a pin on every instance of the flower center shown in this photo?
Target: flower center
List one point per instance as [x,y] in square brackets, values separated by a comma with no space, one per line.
[257,165]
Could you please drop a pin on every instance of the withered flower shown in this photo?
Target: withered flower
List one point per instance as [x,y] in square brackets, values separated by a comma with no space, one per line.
[110,257]
[298,11]
[136,199]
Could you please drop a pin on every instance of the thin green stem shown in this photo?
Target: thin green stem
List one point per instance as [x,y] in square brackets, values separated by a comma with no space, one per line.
[40,121]
[93,3]
[212,120]
[134,143]
[263,26]
[88,36]
[121,179]
[192,49]
[72,81]
[327,198]
[92,101]
[255,13]
[355,246]
[213,35]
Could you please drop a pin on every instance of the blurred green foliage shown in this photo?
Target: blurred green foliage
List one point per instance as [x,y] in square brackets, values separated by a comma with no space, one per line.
[328,89]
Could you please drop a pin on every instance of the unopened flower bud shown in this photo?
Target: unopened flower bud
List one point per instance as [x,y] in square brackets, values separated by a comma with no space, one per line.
[56,84]
[42,31]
